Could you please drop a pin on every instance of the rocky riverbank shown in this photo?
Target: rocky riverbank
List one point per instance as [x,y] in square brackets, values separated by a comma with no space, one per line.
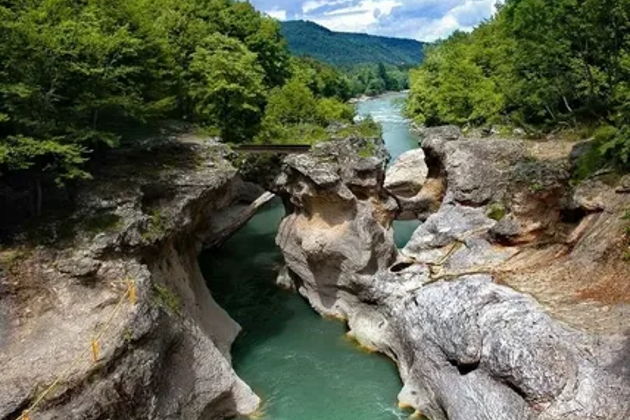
[509,302]
[162,350]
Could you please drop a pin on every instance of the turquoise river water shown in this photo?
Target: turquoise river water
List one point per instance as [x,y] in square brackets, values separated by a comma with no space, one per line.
[302,366]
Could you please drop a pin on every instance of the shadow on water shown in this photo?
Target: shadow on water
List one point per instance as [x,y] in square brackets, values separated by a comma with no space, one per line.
[241,274]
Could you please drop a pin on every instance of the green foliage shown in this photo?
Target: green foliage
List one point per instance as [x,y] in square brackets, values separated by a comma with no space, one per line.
[76,78]
[537,64]
[167,299]
[330,110]
[226,86]
[295,115]
[374,79]
[293,103]
[610,148]
[370,64]
[75,75]
[367,150]
[53,156]
[366,129]
[456,83]
[322,79]
[157,226]
[496,211]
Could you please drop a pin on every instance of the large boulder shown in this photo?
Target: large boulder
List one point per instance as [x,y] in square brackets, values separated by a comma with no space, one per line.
[339,221]
[407,175]
[477,171]
[468,348]
[406,181]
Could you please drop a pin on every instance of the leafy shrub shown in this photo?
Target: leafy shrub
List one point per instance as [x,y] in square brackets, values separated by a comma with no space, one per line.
[610,149]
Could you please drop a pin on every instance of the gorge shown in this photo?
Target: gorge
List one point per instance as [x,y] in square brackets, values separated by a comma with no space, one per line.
[467,344]
[477,323]
[201,220]
[287,353]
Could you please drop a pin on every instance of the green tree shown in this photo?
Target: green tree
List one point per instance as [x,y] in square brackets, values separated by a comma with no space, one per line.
[453,87]
[68,70]
[294,114]
[75,76]
[226,86]
[536,63]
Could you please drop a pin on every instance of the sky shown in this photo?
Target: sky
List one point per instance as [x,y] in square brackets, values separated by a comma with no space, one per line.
[424,20]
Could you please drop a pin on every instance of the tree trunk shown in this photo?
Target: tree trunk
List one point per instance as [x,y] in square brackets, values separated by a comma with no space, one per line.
[566,104]
[553,116]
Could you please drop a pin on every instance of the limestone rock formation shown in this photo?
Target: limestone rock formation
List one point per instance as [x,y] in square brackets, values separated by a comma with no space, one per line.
[405,180]
[140,223]
[471,349]
[340,221]
[408,174]
[478,310]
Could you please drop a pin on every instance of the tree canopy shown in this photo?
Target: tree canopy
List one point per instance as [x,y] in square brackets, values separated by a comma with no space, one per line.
[74,74]
[80,77]
[536,64]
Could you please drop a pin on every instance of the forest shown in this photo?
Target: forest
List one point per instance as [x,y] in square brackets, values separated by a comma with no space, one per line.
[343,49]
[77,77]
[538,65]
[371,64]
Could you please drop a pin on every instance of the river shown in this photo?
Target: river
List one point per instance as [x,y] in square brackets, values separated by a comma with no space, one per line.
[302,366]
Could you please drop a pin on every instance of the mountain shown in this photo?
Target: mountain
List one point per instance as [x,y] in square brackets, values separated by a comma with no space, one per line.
[349,49]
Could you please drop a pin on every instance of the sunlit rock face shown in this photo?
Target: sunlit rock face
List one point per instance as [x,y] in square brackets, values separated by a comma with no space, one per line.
[405,181]
[339,224]
[468,346]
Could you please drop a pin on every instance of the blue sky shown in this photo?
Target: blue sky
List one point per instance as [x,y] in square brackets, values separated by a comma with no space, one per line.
[424,20]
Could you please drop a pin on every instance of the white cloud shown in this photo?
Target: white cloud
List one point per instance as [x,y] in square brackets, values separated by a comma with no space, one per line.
[431,21]
[312,5]
[277,14]
[425,20]
[358,17]
[432,30]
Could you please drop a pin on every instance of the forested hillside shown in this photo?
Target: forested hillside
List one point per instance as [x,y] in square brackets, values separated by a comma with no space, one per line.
[77,77]
[372,64]
[349,49]
[539,65]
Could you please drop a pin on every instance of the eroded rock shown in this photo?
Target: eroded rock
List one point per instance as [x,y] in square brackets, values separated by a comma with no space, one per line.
[407,175]
[466,347]
[340,221]
[167,356]
[405,181]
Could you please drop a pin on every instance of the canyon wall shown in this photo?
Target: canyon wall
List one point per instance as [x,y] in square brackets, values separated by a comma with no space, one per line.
[120,270]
